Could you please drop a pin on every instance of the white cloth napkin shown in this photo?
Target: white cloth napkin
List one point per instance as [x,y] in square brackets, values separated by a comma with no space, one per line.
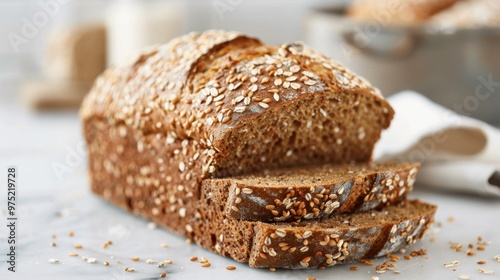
[457,153]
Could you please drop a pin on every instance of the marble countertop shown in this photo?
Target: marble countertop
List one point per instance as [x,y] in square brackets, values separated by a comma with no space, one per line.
[53,203]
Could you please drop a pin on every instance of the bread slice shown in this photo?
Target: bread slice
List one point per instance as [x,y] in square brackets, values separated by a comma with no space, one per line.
[316,192]
[340,238]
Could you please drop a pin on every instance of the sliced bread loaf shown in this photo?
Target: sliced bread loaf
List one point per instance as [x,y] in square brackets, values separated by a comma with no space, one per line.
[220,104]
[316,192]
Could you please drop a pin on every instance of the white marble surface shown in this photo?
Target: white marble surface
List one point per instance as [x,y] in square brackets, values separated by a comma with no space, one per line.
[48,205]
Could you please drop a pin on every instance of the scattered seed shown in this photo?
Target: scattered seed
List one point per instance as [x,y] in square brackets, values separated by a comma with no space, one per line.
[207,264]
[135,259]
[497,258]
[71,233]
[354,268]
[150,261]
[72,254]
[486,271]
[451,264]
[129,269]
[464,276]
[78,246]
[164,245]
[193,259]
[168,262]
[106,263]
[163,275]
[481,262]
[481,248]
[52,244]
[272,269]
[53,260]
[91,260]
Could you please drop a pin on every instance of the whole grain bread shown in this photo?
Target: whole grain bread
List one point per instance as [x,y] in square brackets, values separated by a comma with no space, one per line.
[213,105]
[316,191]
[397,12]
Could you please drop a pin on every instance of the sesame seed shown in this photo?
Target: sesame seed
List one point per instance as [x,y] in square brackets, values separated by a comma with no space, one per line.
[194,258]
[310,82]
[497,258]
[182,166]
[464,276]
[295,85]
[235,209]
[163,275]
[276,96]
[339,141]
[168,262]
[354,268]
[308,74]
[78,246]
[481,262]
[135,259]
[91,260]
[230,267]
[278,82]
[207,264]
[307,234]
[263,105]
[189,228]
[71,233]
[129,269]
[105,263]
[150,261]
[72,254]
[52,244]
[53,260]
[253,88]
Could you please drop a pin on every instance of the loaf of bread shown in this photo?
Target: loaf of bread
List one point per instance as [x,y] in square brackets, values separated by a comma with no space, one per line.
[314,192]
[168,133]
[468,14]
[397,12]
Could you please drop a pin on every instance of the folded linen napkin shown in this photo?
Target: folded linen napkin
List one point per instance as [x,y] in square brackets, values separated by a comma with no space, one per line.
[457,153]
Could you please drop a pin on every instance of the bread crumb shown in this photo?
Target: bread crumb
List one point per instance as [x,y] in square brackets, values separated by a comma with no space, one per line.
[464,276]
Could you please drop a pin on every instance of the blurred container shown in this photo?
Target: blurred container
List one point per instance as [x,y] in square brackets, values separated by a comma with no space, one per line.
[460,69]
[132,25]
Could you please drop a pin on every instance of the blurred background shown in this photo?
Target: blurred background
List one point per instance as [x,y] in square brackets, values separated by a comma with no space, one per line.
[51,50]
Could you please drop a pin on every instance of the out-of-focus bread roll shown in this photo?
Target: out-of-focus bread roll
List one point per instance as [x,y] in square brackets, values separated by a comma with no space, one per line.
[469,14]
[397,12]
